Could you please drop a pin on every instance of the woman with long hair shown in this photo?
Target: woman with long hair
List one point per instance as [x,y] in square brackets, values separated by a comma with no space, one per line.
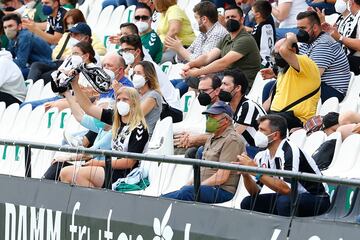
[146,83]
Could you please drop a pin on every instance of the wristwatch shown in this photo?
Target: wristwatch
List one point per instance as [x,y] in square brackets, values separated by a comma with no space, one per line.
[341,39]
[258,176]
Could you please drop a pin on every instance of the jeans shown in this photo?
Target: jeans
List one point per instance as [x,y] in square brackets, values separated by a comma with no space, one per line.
[181,85]
[36,103]
[251,151]
[267,90]
[329,7]
[275,203]
[39,70]
[328,92]
[281,32]
[208,194]
[117,3]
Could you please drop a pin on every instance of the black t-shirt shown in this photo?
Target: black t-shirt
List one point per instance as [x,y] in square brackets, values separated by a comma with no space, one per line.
[131,141]
[107,116]
[56,24]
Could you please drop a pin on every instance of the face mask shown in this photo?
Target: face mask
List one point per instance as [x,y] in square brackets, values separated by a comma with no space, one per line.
[72,42]
[142,26]
[261,140]
[302,36]
[123,108]
[138,81]
[340,6]
[225,96]
[251,16]
[212,125]
[110,73]
[11,33]
[47,10]
[232,25]
[129,58]
[31,5]
[279,61]
[204,99]
[70,26]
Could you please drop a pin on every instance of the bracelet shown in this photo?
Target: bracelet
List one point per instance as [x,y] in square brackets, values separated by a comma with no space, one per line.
[258,176]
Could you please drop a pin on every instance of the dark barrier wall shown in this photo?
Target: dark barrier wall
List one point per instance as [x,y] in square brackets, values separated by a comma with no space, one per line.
[31,209]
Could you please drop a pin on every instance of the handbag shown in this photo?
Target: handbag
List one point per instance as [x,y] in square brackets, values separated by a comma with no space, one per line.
[168,111]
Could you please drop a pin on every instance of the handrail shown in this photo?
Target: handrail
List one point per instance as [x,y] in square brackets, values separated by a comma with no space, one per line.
[185,161]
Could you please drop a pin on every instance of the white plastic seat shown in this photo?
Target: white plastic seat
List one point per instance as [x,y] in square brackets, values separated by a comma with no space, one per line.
[181,176]
[330,105]
[348,106]
[186,101]
[115,20]
[194,121]
[331,19]
[47,92]
[161,142]
[34,91]
[314,141]
[2,108]
[94,13]
[103,21]
[84,8]
[298,137]
[175,71]
[128,15]
[166,67]
[346,158]
[257,88]
[353,92]
[239,195]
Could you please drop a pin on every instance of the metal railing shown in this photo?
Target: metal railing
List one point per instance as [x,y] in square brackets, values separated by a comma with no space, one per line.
[175,160]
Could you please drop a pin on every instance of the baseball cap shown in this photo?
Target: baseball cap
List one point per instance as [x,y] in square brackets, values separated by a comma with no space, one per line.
[82,28]
[218,108]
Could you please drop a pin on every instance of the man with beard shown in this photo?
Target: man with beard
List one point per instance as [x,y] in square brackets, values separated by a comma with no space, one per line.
[298,83]
[237,50]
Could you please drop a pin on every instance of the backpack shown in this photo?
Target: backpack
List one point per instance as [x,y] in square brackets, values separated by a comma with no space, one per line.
[324,154]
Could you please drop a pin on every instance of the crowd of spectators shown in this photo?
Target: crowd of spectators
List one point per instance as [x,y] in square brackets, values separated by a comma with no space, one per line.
[223,47]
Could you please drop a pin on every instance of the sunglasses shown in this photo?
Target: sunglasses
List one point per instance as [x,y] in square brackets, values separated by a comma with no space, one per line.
[144,18]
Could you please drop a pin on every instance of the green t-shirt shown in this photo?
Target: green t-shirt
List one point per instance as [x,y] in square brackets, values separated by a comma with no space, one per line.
[4,41]
[39,15]
[153,44]
[246,45]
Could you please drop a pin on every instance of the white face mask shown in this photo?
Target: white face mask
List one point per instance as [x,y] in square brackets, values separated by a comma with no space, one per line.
[110,73]
[11,33]
[138,81]
[261,140]
[123,108]
[76,61]
[70,26]
[142,26]
[340,6]
[72,42]
[129,58]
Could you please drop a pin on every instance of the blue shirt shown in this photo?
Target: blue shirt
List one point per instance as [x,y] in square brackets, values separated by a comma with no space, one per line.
[110,94]
[28,48]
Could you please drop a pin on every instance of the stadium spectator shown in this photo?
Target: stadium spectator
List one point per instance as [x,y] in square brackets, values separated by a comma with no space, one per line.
[237,50]
[3,39]
[80,32]
[249,21]
[11,5]
[173,23]
[25,47]
[246,112]
[33,11]
[12,86]
[211,33]
[285,12]
[327,54]
[132,52]
[149,38]
[209,90]
[146,83]
[264,31]
[117,3]
[311,197]
[129,134]
[68,4]
[223,145]
[348,34]
[298,83]
[326,6]
[71,18]
[155,15]
[54,28]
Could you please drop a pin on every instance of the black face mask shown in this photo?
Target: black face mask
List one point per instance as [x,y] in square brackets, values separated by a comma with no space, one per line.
[232,25]
[302,36]
[225,96]
[279,61]
[204,99]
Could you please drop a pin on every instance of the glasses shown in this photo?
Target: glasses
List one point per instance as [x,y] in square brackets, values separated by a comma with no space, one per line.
[126,50]
[143,17]
[206,90]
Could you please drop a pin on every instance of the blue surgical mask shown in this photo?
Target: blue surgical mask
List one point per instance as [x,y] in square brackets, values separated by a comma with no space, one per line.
[47,10]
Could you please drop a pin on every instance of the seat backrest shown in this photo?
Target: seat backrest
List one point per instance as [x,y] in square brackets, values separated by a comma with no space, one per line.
[103,21]
[46,123]
[34,92]
[330,105]
[337,136]
[175,71]
[20,122]
[354,210]
[84,8]
[94,13]
[166,67]
[47,92]
[179,178]
[314,141]
[162,142]
[114,26]
[57,128]
[128,15]
[186,101]
[298,137]
[33,122]
[354,89]
[2,108]
[8,119]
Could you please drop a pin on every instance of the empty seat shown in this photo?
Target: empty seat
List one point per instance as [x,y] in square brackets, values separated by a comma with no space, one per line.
[298,137]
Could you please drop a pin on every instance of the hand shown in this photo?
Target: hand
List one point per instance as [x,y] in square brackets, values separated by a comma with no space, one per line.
[267,73]
[60,104]
[60,158]
[335,34]
[245,160]
[291,37]
[181,140]
[94,163]
[221,19]
[28,24]
[192,72]
[116,85]
[173,43]
[356,129]
[115,39]
[326,27]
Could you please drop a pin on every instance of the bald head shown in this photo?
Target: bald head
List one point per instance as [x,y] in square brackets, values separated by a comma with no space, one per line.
[278,44]
[114,62]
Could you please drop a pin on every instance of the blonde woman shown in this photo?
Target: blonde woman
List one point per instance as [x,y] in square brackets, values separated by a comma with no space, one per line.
[146,83]
[173,23]
[129,134]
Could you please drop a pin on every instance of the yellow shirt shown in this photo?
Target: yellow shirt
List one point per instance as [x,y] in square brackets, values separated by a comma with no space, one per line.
[294,85]
[186,34]
[98,46]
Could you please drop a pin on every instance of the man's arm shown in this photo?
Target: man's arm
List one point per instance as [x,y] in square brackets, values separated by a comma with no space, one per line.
[219,178]
[282,11]
[205,59]
[250,184]
[50,38]
[76,110]
[23,51]
[287,53]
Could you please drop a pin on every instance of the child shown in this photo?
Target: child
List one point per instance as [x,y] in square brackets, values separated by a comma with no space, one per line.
[264,31]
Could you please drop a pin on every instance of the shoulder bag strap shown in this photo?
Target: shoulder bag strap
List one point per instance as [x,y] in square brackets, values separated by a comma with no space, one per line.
[63,47]
[300,100]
